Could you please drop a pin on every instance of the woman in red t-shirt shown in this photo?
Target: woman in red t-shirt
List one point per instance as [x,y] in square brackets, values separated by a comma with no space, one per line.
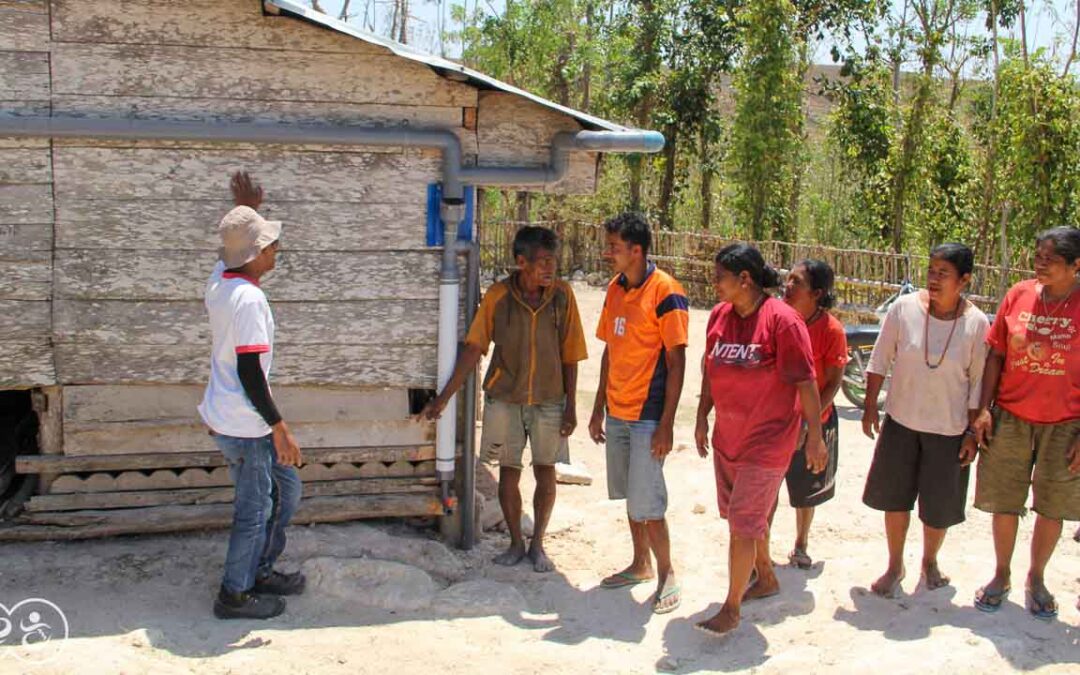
[1031,437]
[809,291]
[759,373]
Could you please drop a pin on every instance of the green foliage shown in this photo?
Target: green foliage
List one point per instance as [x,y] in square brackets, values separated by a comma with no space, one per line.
[765,142]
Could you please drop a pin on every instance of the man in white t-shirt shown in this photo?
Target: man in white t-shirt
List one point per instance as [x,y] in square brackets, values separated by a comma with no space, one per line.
[238,407]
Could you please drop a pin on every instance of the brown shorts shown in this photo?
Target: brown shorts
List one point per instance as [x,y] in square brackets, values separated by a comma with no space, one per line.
[913,465]
[508,427]
[1023,455]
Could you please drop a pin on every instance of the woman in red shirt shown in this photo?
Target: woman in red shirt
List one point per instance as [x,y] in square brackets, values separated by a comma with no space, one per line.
[809,291]
[759,373]
[1031,437]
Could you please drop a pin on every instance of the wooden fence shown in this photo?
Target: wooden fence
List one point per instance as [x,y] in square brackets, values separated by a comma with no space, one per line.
[864,279]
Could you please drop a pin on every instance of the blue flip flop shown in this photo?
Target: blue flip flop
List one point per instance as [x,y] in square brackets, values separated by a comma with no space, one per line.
[1042,610]
[990,602]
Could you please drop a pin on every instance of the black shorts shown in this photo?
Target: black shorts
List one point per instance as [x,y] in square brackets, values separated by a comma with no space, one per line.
[807,489]
[910,465]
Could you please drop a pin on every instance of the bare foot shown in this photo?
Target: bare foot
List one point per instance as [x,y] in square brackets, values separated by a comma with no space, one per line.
[541,563]
[934,578]
[513,555]
[725,621]
[889,583]
[765,586]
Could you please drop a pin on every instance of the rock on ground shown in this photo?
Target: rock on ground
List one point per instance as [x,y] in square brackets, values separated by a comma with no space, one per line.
[480,597]
[572,474]
[373,583]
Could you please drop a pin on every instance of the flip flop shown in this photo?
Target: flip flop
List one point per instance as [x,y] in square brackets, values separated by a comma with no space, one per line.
[800,559]
[669,592]
[622,580]
[710,632]
[990,602]
[1042,610]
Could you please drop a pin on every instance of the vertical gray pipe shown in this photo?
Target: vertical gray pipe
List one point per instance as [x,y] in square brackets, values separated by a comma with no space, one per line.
[468,478]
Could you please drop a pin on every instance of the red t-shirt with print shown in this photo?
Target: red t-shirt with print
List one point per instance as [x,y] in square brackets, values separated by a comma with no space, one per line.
[1040,381]
[752,365]
[828,340]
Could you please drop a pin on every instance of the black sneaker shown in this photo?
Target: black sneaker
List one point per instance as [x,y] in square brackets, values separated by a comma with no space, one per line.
[247,606]
[279,583]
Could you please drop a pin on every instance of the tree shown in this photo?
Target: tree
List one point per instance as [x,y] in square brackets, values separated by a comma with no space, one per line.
[764,131]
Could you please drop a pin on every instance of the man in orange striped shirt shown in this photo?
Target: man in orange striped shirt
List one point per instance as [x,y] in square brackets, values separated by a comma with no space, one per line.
[644,324]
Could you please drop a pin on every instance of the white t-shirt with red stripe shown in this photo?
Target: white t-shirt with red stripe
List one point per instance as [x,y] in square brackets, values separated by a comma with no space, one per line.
[241,322]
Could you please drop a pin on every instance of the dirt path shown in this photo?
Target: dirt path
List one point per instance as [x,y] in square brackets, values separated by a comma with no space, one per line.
[389,599]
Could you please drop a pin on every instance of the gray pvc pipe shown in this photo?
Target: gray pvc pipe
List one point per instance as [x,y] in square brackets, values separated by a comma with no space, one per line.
[455,176]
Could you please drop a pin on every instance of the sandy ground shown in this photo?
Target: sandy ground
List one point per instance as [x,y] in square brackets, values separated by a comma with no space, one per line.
[387,597]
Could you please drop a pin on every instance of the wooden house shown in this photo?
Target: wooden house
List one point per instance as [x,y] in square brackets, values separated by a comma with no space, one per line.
[108,232]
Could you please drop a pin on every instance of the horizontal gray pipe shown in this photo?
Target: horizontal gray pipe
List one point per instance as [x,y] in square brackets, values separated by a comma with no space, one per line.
[455,176]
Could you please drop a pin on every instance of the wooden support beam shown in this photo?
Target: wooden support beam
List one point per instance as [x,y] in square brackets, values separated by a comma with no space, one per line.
[65,464]
[161,519]
[219,495]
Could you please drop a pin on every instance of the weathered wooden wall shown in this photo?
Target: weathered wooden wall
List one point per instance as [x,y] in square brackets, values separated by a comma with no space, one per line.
[26,203]
[105,245]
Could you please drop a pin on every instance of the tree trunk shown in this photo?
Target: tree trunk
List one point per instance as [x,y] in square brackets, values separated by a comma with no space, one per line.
[667,187]
[706,182]
[524,206]
[990,175]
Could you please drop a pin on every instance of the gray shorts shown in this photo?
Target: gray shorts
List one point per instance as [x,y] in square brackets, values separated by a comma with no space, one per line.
[633,473]
[507,427]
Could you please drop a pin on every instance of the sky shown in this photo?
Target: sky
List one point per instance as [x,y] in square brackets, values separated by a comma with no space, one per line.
[1043,28]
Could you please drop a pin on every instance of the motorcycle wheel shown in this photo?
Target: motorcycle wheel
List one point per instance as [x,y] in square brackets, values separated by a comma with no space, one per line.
[854,382]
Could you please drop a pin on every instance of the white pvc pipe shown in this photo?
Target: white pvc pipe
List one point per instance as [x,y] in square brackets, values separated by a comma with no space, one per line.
[446,429]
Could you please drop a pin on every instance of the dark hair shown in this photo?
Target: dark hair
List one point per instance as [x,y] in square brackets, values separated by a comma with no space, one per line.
[821,278]
[738,258]
[631,228]
[958,255]
[531,238]
[1066,241]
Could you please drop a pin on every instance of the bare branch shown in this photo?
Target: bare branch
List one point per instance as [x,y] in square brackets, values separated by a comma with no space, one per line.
[1076,35]
[344,15]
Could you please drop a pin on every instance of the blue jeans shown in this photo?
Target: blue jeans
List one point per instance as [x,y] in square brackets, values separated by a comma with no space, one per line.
[633,473]
[267,495]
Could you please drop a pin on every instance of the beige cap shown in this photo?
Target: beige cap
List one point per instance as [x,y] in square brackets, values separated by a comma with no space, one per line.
[244,234]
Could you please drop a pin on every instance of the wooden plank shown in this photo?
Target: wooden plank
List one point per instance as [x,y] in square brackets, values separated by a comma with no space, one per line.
[25,165]
[66,464]
[148,436]
[24,76]
[321,112]
[159,519]
[196,23]
[310,226]
[33,6]
[48,404]
[513,131]
[23,31]
[214,72]
[26,204]
[24,321]
[113,404]
[176,479]
[218,495]
[16,240]
[405,366]
[506,121]
[299,276]
[13,142]
[25,365]
[27,279]
[298,323]
[156,173]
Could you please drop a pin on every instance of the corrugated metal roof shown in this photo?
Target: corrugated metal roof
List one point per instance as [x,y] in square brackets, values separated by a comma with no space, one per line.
[444,67]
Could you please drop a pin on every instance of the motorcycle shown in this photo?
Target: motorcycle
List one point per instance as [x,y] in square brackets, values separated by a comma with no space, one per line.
[861,339]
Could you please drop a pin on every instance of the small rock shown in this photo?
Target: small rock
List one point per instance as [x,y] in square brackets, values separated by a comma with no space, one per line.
[682,447]
[699,509]
[374,583]
[491,516]
[526,525]
[579,275]
[572,474]
[667,664]
[480,597]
